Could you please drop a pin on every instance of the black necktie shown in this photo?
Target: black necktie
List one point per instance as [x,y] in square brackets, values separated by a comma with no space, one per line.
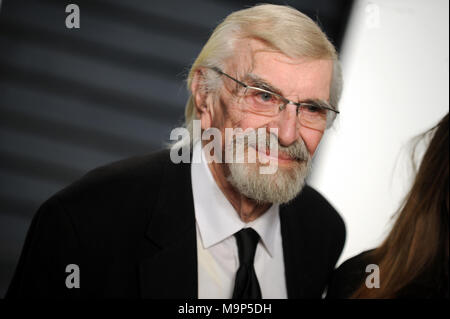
[246,285]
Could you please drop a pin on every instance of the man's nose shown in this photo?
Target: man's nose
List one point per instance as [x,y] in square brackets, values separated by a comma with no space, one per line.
[288,131]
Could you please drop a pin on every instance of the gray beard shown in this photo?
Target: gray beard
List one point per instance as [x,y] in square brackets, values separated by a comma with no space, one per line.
[282,186]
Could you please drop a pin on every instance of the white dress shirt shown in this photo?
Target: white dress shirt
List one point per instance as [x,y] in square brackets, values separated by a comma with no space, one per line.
[217,221]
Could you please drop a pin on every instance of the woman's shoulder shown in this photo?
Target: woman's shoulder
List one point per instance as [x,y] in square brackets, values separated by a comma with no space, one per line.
[347,278]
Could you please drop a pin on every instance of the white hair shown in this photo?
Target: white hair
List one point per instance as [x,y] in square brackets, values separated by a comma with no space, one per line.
[282,28]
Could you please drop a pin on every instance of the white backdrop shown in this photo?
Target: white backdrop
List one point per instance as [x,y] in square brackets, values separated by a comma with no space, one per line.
[396,72]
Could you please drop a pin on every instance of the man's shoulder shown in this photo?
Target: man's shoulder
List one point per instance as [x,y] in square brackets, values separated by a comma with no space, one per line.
[314,218]
[129,186]
[138,169]
[144,168]
[312,206]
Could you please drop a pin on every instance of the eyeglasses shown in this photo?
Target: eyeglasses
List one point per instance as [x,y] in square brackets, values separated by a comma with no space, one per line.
[314,114]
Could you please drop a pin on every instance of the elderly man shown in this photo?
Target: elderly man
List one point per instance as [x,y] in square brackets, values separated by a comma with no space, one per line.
[149,227]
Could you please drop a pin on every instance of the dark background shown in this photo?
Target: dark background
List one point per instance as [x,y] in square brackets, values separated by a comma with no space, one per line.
[74,99]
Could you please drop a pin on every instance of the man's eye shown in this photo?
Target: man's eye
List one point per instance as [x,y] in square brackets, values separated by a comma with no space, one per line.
[312,108]
[265,97]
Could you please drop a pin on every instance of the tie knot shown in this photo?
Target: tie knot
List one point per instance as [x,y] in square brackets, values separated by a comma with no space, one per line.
[247,240]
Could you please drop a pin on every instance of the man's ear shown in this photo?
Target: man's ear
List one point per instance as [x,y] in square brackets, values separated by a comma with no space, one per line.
[202,99]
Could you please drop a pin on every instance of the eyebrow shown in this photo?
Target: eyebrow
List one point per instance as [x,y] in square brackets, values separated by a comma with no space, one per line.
[263,84]
[318,102]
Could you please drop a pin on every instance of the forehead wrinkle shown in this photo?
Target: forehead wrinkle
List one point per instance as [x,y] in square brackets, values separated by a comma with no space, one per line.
[242,61]
[247,63]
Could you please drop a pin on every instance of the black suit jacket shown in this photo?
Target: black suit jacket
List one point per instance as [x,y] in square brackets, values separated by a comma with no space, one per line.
[130,227]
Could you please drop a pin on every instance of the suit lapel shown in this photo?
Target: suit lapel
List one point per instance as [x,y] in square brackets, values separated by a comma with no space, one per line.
[292,265]
[297,249]
[170,270]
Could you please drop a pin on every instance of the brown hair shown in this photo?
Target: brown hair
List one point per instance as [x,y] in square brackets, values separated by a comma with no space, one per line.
[418,243]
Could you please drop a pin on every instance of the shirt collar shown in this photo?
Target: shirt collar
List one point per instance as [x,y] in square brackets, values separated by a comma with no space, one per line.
[216,217]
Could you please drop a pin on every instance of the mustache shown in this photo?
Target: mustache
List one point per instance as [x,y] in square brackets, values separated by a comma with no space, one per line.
[297,151]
